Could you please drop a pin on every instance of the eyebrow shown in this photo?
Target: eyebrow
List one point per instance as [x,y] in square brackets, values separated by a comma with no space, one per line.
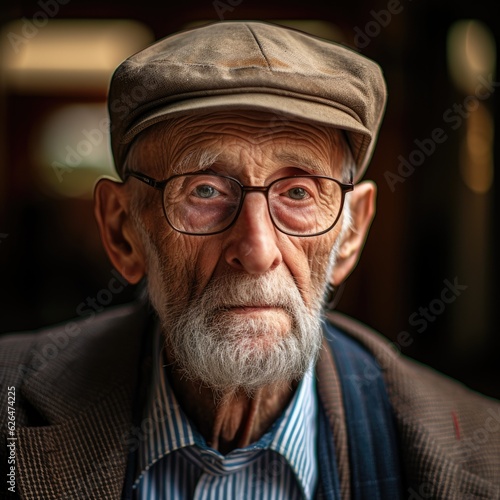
[196,160]
[299,159]
[201,159]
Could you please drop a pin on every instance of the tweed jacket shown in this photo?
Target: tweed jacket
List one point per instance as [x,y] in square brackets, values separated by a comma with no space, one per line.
[75,400]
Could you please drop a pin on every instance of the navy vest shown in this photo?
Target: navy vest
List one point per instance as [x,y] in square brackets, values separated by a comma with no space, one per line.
[371,431]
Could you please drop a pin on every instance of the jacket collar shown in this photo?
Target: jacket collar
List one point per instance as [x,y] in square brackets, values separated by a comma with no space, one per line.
[86,404]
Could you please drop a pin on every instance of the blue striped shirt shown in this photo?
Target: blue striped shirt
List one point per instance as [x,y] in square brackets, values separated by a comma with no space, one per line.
[175,462]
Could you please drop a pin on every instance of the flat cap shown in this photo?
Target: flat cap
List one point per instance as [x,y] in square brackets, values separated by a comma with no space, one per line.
[248,65]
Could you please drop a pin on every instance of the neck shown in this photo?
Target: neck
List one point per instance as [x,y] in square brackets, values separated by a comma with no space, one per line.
[232,419]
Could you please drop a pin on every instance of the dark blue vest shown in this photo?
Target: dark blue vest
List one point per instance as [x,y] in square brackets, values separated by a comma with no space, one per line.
[371,431]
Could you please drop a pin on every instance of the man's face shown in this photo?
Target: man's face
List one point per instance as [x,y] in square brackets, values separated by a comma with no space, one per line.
[240,308]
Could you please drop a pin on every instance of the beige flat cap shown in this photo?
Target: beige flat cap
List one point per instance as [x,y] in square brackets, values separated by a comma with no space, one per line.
[248,65]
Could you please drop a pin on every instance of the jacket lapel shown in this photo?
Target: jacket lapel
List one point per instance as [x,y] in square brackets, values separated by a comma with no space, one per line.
[81,451]
[84,457]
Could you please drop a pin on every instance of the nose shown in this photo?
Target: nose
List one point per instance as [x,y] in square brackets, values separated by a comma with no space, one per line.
[252,241]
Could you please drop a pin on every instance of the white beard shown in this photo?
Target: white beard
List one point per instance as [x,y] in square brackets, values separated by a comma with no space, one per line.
[226,351]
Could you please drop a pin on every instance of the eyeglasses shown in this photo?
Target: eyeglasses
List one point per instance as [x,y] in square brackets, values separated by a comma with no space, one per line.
[203,203]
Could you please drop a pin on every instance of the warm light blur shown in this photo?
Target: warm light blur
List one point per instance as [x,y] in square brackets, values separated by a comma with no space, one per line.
[72,150]
[471,61]
[471,54]
[68,55]
[75,58]
[476,158]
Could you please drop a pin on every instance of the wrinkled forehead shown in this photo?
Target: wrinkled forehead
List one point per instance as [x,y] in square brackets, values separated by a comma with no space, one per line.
[197,141]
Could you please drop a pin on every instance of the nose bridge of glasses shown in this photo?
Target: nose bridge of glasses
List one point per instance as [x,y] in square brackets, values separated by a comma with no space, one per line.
[261,189]
[255,210]
[254,189]
[245,190]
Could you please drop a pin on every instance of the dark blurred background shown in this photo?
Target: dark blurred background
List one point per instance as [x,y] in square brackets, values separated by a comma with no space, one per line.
[428,276]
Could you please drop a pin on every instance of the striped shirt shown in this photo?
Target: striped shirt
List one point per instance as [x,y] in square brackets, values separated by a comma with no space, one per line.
[175,462]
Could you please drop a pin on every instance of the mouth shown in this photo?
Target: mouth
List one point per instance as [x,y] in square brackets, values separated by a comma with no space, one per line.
[253,308]
[232,307]
[271,321]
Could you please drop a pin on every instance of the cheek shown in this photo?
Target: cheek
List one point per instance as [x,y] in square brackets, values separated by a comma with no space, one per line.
[307,260]
[188,264]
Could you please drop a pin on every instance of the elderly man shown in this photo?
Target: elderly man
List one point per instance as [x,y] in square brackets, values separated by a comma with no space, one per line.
[240,146]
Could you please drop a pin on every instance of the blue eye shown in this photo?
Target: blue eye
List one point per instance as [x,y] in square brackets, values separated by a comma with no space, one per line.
[205,191]
[297,193]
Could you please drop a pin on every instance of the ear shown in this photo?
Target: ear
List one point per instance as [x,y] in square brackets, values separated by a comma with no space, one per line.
[362,213]
[120,240]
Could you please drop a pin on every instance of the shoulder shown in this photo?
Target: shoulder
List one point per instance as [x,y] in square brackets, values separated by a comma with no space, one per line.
[66,362]
[34,350]
[445,428]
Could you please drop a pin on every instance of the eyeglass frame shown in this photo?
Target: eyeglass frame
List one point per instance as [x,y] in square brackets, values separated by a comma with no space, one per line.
[161,184]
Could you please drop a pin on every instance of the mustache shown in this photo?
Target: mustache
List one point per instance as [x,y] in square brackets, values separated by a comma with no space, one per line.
[269,290]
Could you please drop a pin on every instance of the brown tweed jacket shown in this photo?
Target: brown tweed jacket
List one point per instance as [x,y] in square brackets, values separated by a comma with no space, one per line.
[75,385]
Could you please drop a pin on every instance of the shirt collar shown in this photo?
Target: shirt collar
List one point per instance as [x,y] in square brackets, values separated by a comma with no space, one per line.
[166,428]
